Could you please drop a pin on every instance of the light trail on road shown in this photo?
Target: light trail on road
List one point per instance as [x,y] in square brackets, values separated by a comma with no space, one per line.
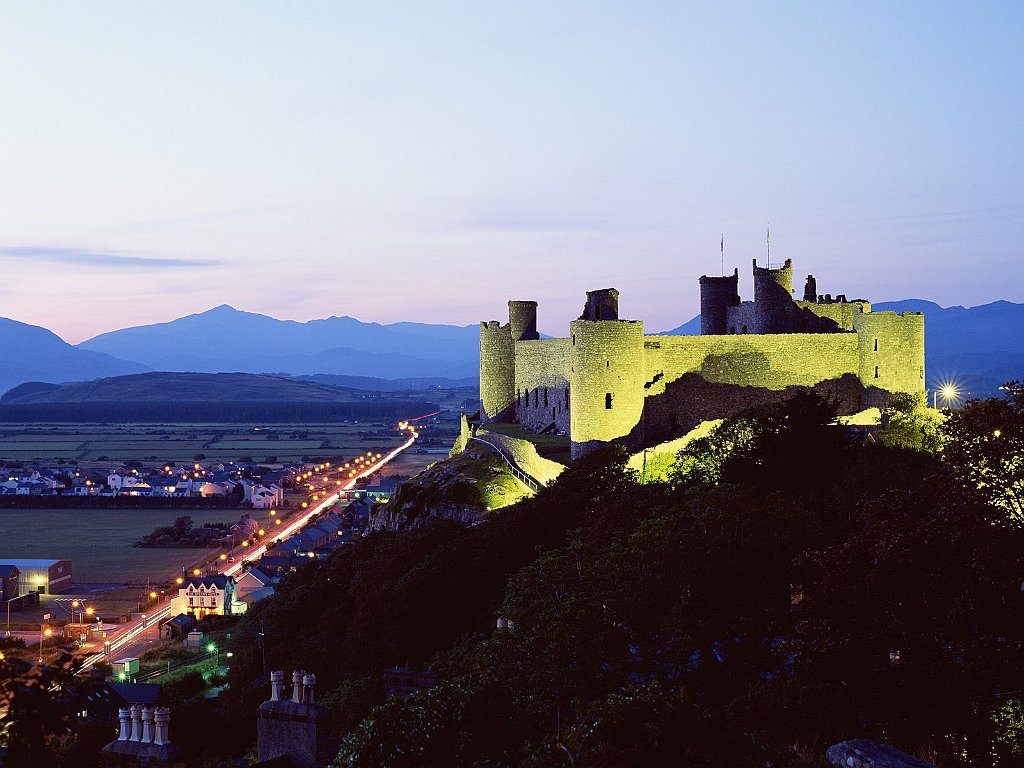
[136,628]
[297,524]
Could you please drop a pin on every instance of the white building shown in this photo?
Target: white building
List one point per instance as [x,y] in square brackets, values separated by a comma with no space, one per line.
[204,595]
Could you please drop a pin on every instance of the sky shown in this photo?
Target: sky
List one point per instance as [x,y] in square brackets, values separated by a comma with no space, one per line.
[429,161]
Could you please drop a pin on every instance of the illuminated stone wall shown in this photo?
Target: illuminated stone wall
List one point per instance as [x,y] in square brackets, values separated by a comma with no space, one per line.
[606,381]
[497,371]
[891,348]
[841,312]
[542,383]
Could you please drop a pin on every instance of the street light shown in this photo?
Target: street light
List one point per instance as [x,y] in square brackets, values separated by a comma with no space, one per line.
[44,632]
[948,391]
[212,648]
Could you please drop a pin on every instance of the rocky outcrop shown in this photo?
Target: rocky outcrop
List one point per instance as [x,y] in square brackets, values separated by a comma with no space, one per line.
[465,488]
[862,753]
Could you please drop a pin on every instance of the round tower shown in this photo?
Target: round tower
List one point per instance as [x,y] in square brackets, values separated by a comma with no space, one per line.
[497,372]
[773,298]
[522,320]
[717,294]
[606,380]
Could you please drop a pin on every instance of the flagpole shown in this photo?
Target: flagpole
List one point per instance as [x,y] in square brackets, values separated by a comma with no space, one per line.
[723,254]
[769,243]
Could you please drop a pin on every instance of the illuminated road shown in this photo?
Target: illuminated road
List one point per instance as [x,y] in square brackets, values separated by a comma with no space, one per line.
[132,633]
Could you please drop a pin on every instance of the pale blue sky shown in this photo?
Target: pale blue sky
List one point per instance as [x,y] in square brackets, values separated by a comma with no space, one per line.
[429,160]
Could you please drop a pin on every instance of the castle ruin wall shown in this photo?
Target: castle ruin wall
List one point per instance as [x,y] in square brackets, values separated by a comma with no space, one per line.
[542,394]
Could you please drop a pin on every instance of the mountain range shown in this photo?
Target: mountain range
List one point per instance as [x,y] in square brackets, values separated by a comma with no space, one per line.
[225,339]
[979,347]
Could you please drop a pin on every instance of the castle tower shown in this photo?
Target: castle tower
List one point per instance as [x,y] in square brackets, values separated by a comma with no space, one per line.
[891,349]
[522,320]
[601,305]
[773,298]
[497,372]
[811,290]
[717,294]
[606,379]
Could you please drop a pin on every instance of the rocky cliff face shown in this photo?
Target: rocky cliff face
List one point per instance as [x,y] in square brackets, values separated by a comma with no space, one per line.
[464,488]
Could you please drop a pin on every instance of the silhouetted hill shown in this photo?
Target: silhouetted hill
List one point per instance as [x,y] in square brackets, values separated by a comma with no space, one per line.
[183,387]
[979,348]
[226,339]
[202,397]
[31,353]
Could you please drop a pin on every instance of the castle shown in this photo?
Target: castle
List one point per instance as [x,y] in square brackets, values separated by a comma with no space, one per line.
[609,382]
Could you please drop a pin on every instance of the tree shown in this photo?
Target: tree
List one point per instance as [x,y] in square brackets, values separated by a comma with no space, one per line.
[986,450]
[908,422]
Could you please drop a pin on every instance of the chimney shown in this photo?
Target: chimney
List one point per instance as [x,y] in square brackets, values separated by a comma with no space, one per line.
[276,685]
[124,715]
[163,719]
[136,723]
[295,728]
[147,726]
[308,681]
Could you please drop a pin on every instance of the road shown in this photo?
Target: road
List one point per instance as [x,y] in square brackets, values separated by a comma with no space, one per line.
[134,637]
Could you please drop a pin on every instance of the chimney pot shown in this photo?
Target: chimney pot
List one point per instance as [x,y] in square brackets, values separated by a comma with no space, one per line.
[308,683]
[136,723]
[163,717]
[147,726]
[276,685]
[124,716]
[297,686]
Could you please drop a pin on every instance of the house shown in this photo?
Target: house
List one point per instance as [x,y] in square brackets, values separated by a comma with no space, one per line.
[179,626]
[47,577]
[201,596]
[401,681]
[9,582]
[251,581]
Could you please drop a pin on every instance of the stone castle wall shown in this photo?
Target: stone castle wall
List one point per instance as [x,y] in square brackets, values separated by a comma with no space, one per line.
[606,381]
[542,383]
[891,351]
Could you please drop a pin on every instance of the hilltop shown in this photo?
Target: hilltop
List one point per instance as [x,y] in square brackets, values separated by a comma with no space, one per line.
[205,397]
[188,387]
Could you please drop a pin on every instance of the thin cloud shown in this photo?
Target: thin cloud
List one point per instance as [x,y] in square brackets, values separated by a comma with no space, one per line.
[81,256]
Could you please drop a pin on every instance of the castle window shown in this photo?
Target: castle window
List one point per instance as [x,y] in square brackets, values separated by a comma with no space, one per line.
[536,397]
[519,396]
[744,329]
[876,345]
[732,329]
[552,414]
[566,397]
[876,371]
[574,339]
[608,400]
[545,397]
[607,363]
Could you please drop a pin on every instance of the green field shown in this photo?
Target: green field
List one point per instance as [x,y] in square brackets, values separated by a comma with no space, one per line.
[103,445]
[98,542]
